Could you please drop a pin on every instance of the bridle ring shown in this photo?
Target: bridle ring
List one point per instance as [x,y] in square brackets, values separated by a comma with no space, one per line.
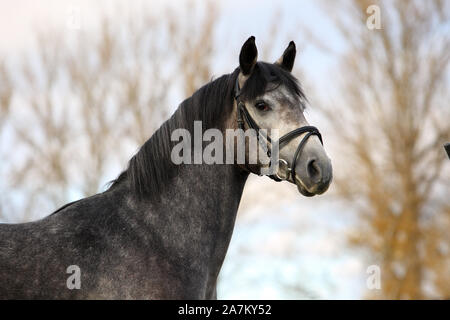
[288,170]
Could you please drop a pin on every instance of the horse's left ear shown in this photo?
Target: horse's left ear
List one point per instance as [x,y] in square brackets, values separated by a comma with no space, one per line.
[248,56]
[286,61]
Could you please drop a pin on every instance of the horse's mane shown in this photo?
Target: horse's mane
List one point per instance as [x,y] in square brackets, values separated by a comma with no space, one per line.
[151,167]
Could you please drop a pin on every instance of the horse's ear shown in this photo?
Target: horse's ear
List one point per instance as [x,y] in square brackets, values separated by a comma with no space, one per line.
[248,56]
[286,61]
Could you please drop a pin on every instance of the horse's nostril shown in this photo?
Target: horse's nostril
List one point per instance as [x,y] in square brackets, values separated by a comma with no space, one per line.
[314,171]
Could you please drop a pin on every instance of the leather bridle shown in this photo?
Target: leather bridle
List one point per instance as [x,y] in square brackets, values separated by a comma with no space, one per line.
[244,117]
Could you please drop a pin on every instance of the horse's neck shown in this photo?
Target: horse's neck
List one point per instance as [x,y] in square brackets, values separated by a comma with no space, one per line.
[197,212]
[206,195]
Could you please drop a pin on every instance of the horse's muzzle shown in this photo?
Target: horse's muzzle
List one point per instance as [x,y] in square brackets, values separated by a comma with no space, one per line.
[314,173]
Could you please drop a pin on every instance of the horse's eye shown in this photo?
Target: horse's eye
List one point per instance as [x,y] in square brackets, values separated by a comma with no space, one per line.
[262,106]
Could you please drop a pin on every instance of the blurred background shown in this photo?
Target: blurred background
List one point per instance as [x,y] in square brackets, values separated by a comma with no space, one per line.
[83,84]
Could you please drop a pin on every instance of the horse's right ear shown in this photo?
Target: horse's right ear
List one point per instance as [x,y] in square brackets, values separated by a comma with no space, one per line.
[248,56]
[287,59]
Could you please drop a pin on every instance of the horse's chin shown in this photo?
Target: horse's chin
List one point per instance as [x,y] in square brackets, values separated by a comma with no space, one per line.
[303,191]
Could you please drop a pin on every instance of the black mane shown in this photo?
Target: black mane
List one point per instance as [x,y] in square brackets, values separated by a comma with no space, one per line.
[265,73]
[151,168]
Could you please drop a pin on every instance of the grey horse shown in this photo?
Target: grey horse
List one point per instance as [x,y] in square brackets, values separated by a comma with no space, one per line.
[161,230]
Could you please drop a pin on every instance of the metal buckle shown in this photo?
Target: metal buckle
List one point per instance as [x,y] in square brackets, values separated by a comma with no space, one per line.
[287,170]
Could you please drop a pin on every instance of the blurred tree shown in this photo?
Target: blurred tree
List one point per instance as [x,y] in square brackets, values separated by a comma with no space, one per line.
[86,100]
[195,42]
[5,92]
[5,102]
[390,127]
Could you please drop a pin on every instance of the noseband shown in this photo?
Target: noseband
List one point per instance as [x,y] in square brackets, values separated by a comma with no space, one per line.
[244,117]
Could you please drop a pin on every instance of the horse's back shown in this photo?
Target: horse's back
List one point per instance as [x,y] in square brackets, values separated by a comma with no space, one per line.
[103,238]
[35,257]
[24,254]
